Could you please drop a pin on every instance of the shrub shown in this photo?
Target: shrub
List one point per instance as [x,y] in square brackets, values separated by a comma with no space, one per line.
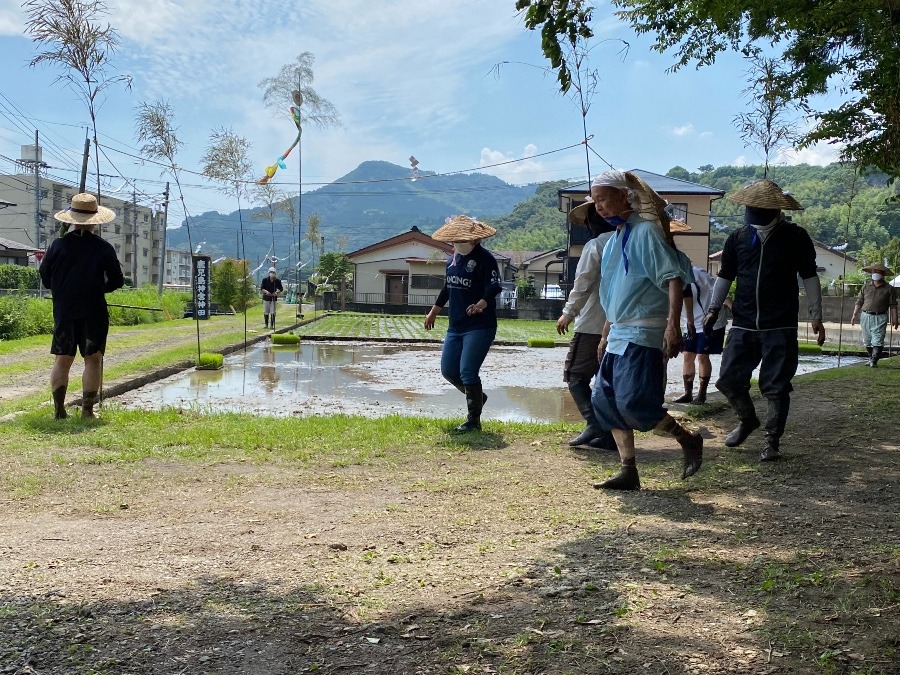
[172,302]
[209,361]
[19,277]
[22,316]
[541,342]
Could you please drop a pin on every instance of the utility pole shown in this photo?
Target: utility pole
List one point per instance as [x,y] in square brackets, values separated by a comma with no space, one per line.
[162,242]
[134,239]
[37,190]
[82,185]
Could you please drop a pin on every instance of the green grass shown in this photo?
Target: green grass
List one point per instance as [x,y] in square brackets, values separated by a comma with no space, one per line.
[209,361]
[541,342]
[285,339]
[352,325]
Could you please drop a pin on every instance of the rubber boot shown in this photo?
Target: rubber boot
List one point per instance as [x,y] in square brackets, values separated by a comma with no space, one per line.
[462,390]
[877,353]
[59,403]
[743,406]
[88,399]
[691,444]
[770,451]
[273,320]
[266,317]
[626,479]
[474,403]
[776,419]
[869,352]
[688,395]
[581,394]
[701,393]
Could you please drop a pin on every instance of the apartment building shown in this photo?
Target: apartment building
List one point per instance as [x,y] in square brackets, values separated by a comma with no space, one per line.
[136,233]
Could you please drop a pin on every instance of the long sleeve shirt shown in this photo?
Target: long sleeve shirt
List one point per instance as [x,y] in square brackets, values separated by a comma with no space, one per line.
[79,268]
[876,299]
[638,264]
[583,303]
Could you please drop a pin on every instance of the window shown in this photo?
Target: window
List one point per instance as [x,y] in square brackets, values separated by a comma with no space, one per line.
[146,252]
[128,257]
[118,229]
[678,212]
[426,281]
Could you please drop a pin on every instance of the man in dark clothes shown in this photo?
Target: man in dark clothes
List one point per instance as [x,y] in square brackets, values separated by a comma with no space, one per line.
[271,288]
[79,268]
[765,257]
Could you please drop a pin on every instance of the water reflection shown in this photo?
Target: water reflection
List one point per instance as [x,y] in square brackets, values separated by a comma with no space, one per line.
[371,379]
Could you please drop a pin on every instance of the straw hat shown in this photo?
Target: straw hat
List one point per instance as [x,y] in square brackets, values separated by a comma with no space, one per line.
[765,194]
[878,267]
[272,269]
[461,229]
[579,215]
[85,211]
[678,226]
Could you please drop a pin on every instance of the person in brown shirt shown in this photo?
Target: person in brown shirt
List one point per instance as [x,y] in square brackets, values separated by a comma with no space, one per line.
[874,303]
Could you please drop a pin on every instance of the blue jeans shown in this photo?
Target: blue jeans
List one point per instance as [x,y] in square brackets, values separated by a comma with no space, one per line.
[463,354]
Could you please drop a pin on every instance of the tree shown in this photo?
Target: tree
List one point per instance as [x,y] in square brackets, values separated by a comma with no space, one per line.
[278,93]
[228,285]
[846,44]
[74,38]
[227,159]
[766,124]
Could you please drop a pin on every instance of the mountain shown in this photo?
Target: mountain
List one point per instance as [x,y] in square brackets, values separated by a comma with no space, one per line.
[375,201]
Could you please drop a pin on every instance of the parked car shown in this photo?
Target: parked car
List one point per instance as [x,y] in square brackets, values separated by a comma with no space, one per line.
[552,292]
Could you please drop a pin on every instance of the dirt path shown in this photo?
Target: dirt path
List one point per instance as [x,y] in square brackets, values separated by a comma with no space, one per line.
[487,561]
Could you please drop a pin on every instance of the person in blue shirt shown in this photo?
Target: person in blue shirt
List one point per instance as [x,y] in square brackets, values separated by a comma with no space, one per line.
[471,286]
[641,293]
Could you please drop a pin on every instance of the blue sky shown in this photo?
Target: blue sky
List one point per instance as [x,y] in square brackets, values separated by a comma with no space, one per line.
[409,77]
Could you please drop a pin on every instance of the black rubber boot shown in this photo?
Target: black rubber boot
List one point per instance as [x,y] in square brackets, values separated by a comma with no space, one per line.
[701,392]
[88,399]
[743,406]
[776,419]
[273,321]
[59,403]
[770,451]
[688,395]
[474,403]
[877,353]
[581,394]
[626,479]
[604,441]
[266,317]
[462,390]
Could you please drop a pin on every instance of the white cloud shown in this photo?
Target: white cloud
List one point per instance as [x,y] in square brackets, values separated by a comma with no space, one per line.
[819,154]
[12,19]
[706,134]
[515,170]
[684,130]
[741,160]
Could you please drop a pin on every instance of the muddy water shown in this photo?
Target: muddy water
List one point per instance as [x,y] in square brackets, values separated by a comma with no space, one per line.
[318,378]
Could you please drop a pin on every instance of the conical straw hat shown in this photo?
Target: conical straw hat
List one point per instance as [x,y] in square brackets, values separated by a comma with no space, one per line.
[460,229]
[765,194]
[678,226]
[878,267]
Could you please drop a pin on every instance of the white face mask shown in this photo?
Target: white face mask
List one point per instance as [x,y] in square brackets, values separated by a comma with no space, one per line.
[464,248]
[877,277]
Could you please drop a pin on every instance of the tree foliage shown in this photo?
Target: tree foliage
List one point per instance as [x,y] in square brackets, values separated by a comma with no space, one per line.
[278,90]
[847,45]
[72,36]
[229,286]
